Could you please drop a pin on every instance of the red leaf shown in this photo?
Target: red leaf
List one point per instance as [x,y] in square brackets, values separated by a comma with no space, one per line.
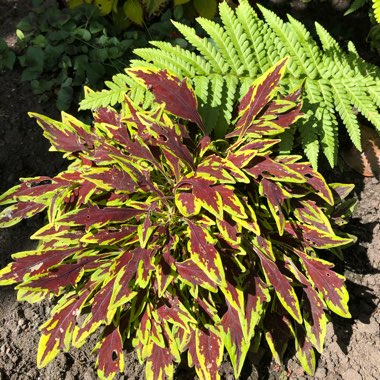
[314,237]
[178,96]
[58,330]
[315,180]
[205,253]
[110,236]
[258,96]
[101,313]
[110,358]
[275,197]
[33,264]
[234,338]
[277,334]
[329,284]
[64,275]
[159,364]
[22,210]
[107,116]
[266,167]
[126,268]
[112,177]
[206,351]
[281,285]
[93,215]
[313,310]
[171,142]
[193,275]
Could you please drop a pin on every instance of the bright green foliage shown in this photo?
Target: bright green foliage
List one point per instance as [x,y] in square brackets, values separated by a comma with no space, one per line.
[337,84]
[173,242]
[376,10]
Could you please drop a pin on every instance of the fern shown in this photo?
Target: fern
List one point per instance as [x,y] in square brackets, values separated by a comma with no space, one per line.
[242,47]
[376,10]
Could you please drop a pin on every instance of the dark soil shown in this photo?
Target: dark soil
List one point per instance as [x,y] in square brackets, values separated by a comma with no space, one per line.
[352,349]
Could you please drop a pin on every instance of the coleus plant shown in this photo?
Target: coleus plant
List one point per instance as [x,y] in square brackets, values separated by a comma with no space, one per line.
[173,242]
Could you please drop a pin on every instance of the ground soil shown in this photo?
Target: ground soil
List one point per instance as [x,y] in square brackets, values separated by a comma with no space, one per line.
[352,348]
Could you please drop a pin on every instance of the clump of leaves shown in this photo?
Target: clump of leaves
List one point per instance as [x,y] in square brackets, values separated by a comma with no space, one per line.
[7,56]
[127,12]
[174,242]
[63,49]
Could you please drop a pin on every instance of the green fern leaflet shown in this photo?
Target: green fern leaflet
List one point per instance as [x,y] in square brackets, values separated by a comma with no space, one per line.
[337,84]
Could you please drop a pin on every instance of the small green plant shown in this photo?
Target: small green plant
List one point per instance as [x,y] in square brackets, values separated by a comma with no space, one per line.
[64,49]
[7,56]
[337,84]
[137,11]
[173,242]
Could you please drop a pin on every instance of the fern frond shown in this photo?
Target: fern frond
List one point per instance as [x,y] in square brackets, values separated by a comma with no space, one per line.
[325,113]
[257,32]
[224,45]
[205,47]
[363,103]
[198,64]
[239,40]
[344,108]
[287,43]
[117,88]
[309,137]
[376,10]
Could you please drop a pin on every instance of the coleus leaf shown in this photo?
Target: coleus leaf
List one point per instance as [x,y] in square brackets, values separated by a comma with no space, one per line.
[29,189]
[94,216]
[110,359]
[34,263]
[178,96]
[265,167]
[176,313]
[277,334]
[231,202]
[259,95]
[257,295]
[275,196]
[282,286]
[314,317]
[234,339]
[127,268]
[187,203]
[192,275]
[57,332]
[159,364]
[101,313]
[305,351]
[206,194]
[109,236]
[54,281]
[15,213]
[314,179]
[306,211]
[242,156]
[205,255]
[110,178]
[212,169]
[314,237]
[70,136]
[329,284]
[206,353]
